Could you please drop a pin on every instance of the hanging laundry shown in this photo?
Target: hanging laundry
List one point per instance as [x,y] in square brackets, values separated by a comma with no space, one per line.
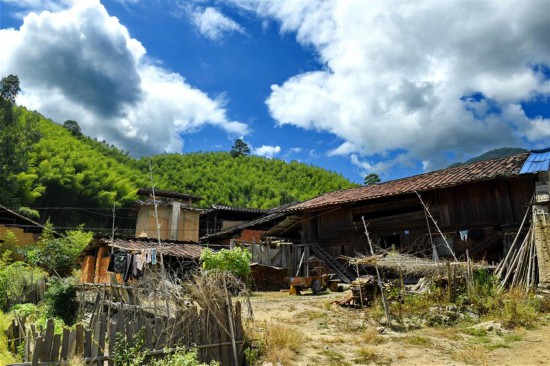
[135,273]
[149,256]
[128,269]
[140,261]
[464,234]
[153,256]
[119,265]
[111,265]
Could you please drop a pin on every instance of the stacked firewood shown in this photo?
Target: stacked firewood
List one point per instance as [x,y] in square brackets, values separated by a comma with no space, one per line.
[361,292]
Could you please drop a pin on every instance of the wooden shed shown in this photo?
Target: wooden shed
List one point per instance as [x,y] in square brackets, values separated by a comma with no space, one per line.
[477,206]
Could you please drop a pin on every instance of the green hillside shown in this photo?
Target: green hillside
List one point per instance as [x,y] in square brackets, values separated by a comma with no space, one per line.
[492,154]
[66,169]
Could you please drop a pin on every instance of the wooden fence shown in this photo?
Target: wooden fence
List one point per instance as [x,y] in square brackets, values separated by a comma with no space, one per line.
[216,332]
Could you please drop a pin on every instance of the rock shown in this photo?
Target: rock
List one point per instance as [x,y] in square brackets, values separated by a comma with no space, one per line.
[380,329]
[490,326]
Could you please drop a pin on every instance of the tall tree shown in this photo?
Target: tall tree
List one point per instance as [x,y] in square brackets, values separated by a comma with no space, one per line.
[371,178]
[16,138]
[9,88]
[239,148]
[73,127]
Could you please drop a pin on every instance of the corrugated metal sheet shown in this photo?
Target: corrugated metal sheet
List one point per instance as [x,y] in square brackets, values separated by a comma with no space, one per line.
[538,161]
[480,171]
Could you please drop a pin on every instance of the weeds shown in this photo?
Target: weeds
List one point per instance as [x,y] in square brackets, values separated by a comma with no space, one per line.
[418,340]
[471,356]
[275,342]
[365,355]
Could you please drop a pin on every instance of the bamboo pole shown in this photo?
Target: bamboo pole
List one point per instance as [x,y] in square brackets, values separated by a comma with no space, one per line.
[502,264]
[384,301]
[436,226]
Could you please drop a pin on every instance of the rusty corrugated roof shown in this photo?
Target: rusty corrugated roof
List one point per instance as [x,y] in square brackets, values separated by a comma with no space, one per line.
[480,171]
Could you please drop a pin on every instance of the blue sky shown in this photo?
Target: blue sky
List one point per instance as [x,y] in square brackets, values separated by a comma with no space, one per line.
[356,87]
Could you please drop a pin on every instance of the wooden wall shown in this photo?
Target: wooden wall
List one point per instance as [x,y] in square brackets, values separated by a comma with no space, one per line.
[485,207]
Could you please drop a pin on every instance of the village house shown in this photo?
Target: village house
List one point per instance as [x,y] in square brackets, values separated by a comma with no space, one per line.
[178,231]
[23,230]
[477,207]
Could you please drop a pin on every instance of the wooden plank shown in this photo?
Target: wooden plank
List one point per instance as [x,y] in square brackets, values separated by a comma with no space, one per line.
[239,333]
[65,344]
[48,340]
[131,331]
[112,340]
[71,350]
[171,331]
[102,331]
[149,337]
[94,341]
[87,343]
[79,340]
[56,347]
[225,351]
[37,351]
[160,333]
[214,336]
[203,336]
[28,342]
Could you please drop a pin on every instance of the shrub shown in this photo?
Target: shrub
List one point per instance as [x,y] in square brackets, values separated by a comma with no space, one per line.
[236,261]
[60,298]
[16,282]
[58,255]
[129,353]
[182,357]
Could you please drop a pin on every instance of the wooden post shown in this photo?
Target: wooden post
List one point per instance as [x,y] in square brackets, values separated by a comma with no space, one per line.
[231,325]
[449,283]
[359,282]
[469,277]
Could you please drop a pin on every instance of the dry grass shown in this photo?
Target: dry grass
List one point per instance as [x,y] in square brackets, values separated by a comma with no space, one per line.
[369,336]
[365,355]
[476,355]
[278,343]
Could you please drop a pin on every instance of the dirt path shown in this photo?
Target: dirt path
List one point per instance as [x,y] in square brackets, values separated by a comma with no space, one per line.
[332,335]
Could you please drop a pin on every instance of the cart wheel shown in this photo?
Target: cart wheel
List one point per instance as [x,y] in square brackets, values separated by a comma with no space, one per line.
[333,286]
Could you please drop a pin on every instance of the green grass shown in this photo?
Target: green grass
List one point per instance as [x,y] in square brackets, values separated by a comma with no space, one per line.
[418,340]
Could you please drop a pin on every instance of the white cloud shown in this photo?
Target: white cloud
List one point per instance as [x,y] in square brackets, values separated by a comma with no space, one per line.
[397,75]
[295,150]
[212,24]
[82,64]
[267,151]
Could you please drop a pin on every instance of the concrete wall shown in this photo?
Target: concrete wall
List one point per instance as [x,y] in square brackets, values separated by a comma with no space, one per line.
[175,223]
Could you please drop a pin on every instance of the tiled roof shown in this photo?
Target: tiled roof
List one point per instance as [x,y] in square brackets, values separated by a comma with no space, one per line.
[18,216]
[273,214]
[170,249]
[480,171]
[168,194]
[217,207]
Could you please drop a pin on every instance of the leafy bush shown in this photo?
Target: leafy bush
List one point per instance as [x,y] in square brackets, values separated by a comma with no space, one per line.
[129,353]
[182,357]
[58,255]
[16,283]
[5,356]
[236,261]
[60,298]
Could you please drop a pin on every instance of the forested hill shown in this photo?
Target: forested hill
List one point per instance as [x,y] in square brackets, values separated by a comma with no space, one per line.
[67,169]
[492,154]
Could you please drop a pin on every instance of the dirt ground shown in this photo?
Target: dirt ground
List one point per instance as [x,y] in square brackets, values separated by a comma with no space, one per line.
[333,335]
